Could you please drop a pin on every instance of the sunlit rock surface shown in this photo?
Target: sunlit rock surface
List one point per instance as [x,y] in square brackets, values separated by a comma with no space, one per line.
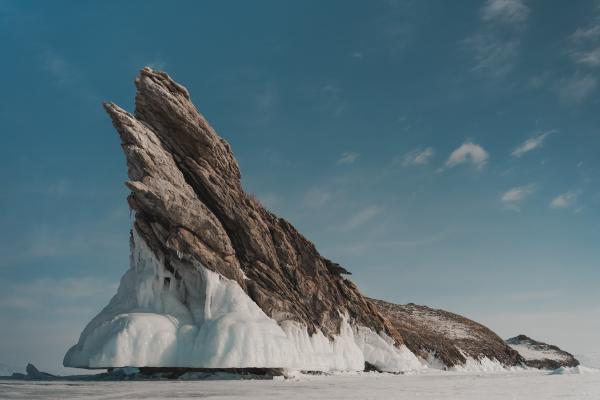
[217,281]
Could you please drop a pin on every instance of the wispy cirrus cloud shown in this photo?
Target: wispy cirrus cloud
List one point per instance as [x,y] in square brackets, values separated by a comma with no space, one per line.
[584,42]
[316,198]
[589,58]
[506,11]
[492,57]
[361,217]
[468,153]
[332,100]
[583,48]
[577,88]
[530,144]
[513,197]
[565,200]
[418,157]
[63,73]
[495,45]
[347,158]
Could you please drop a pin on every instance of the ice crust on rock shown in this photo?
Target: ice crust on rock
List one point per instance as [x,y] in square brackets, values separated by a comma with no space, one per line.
[218,281]
[205,320]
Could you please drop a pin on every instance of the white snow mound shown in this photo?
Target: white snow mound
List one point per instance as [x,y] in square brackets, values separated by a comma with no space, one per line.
[207,321]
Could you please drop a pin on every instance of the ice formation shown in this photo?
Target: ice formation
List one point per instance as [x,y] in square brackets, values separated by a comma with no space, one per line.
[206,320]
[218,281]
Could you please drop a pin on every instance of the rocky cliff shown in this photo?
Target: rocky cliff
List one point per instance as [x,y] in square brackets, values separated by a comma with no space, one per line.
[445,336]
[541,355]
[218,281]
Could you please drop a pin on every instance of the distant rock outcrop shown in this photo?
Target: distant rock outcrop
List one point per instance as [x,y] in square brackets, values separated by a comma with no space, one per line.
[218,281]
[541,355]
[447,337]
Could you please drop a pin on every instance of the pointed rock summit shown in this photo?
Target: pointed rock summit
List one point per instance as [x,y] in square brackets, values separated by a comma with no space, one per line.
[218,281]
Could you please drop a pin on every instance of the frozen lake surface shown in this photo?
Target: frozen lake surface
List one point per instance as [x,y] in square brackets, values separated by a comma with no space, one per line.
[510,385]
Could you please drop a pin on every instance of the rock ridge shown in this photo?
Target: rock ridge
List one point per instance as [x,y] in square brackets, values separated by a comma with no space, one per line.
[217,281]
[189,202]
[541,355]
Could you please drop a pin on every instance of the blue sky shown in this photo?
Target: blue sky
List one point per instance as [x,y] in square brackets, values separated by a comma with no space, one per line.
[445,153]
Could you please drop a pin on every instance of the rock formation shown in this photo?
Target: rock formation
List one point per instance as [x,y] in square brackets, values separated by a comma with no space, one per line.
[447,337]
[218,281]
[541,355]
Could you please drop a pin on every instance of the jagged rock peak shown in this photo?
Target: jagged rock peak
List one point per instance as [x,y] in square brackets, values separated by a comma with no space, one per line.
[189,203]
[218,281]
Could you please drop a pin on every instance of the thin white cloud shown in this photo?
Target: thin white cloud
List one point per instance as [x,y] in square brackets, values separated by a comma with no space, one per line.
[589,58]
[578,88]
[514,196]
[507,11]
[57,66]
[539,80]
[584,50]
[587,33]
[584,43]
[361,217]
[491,56]
[316,198]
[332,100]
[531,144]
[347,158]
[418,157]
[65,74]
[468,153]
[565,200]
[495,46]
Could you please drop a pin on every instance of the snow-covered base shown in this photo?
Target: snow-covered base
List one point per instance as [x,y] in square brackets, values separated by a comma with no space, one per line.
[473,365]
[207,321]
[431,385]
[580,369]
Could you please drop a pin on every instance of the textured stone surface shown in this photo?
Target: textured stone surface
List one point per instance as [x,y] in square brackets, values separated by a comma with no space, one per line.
[448,337]
[541,355]
[190,206]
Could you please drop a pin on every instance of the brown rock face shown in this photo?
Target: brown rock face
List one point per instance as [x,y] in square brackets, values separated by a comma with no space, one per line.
[446,336]
[541,355]
[190,206]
